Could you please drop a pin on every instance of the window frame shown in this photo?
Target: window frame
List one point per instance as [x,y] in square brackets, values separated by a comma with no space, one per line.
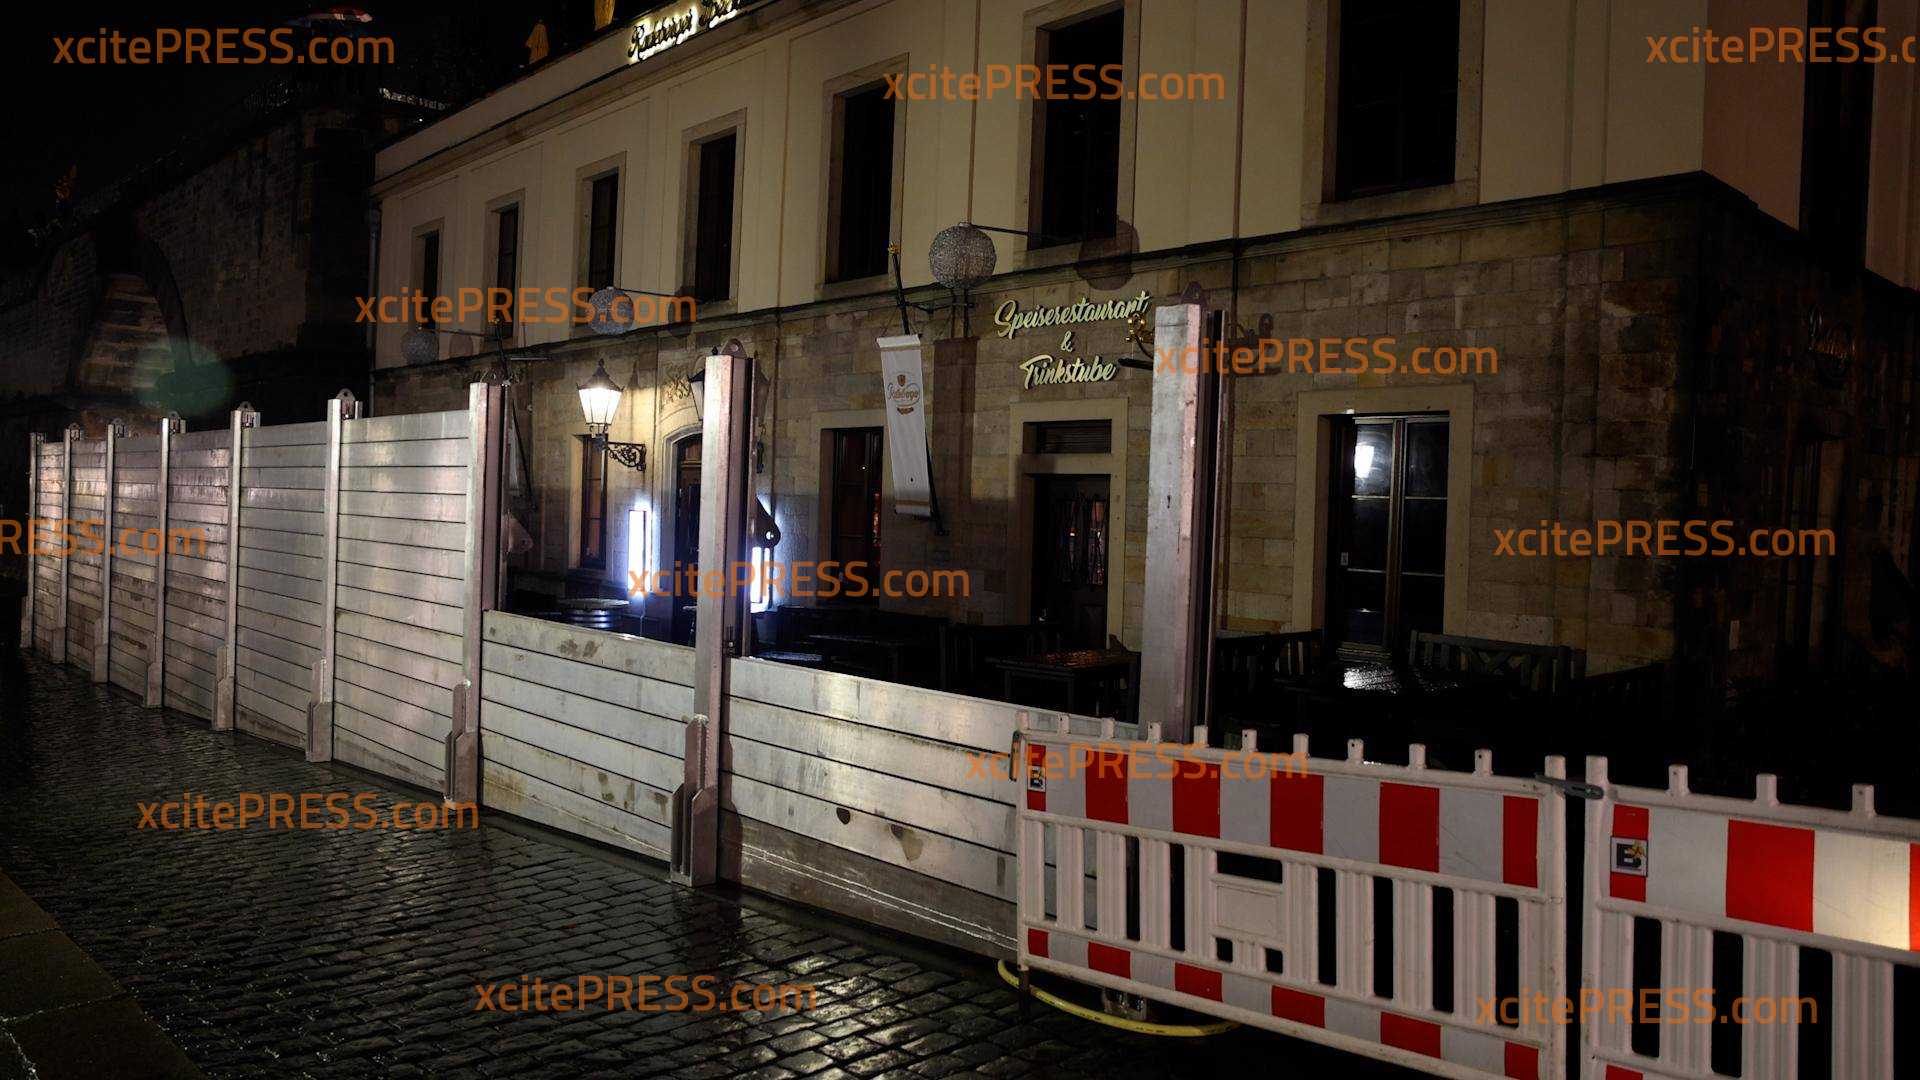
[873,494]
[1037,206]
[429,261]
[1344,115]
[1320,199]
[692,140]
[515,203]
[1394,625]
[583,179]
[1032,161]
[838,92]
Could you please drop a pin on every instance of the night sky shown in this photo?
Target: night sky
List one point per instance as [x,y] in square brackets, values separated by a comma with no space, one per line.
[103,120]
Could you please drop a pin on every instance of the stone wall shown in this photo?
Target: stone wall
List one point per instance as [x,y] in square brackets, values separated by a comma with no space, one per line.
[1584,299]
[212,281]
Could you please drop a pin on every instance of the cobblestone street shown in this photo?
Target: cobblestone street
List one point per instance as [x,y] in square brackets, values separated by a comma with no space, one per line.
[355,952]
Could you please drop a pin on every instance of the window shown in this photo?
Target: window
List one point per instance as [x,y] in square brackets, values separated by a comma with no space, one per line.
[862,184]
[1071,437]
[1389,529]
[713,218]
[854,485]
[593,503]
[1077,144]
[602,225]
[1397,96]
[429,272]
[1836,138]
[506,252]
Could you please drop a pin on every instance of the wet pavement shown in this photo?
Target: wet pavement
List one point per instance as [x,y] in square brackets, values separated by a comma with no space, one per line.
[334,953]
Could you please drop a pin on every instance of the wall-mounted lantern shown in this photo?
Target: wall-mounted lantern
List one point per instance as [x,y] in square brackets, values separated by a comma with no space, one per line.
[600,400]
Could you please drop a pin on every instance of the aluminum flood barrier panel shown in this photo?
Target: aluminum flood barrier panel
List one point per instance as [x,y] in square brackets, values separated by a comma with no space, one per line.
[309,585]
[277,636]
[136,606]
[583,730]
[875,799]
[196,570]
[86,558]
[48,599]
[400,588]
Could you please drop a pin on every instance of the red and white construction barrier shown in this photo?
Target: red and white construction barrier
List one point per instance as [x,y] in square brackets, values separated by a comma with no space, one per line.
[1249,946]
[1781,878]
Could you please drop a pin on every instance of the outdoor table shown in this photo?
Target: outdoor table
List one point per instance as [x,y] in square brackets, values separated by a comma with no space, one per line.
[893,648]
[792,656]
[1076,670]
[1417,703]
[1380,677]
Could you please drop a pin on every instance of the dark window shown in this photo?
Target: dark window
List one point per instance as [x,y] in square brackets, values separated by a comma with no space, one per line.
[1079,141]
[855,495]
[429,272]
[601,234]
[506,259]
[1073,437]
[1388,545]
[1398,91]
[713,220]
[593,504]
[863,200]
[1836,137]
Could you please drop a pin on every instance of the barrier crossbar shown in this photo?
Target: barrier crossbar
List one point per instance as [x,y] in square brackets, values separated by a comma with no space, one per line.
[1177,874]
[1781,880]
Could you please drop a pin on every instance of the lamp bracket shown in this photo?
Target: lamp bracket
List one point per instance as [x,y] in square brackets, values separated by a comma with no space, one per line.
[632,455]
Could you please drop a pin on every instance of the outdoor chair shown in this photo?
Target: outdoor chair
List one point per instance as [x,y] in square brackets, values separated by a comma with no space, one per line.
[1259,678]
[1551,670]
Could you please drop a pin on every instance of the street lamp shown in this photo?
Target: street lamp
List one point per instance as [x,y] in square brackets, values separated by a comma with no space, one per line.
[600,400]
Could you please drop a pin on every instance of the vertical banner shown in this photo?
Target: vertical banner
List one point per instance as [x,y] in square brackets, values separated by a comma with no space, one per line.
[906,395]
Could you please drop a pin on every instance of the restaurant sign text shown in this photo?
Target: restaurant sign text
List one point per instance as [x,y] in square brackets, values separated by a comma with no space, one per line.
[1054,369]
[658,31]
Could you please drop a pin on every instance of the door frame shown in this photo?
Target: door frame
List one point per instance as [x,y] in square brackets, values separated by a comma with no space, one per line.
[1313,482]
[1033,480]
[1394,637]
[1023,467]
[669,528]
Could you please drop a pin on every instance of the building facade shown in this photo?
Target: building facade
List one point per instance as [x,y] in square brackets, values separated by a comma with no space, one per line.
[1646,291]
